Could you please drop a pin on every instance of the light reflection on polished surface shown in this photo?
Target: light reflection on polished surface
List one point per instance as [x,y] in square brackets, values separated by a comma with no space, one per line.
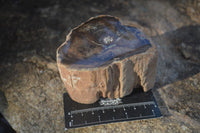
[100,41]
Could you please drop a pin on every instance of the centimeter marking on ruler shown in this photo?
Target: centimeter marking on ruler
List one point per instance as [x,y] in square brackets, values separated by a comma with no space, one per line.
[111,107]
[97,122]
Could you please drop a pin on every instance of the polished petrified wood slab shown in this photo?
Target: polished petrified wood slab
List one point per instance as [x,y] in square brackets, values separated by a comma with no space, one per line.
[104,58]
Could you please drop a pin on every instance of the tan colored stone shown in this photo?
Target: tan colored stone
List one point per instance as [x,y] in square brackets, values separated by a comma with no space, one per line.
[113,78]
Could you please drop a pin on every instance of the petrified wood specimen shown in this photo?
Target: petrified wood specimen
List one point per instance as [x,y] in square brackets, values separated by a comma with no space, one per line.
[104,58]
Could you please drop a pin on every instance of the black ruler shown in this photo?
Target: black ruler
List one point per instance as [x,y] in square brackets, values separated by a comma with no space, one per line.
[133,107]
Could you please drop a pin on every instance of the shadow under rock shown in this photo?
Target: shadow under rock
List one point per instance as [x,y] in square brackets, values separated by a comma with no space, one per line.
[179,55]
[179,58]
[3,102]
[187,41]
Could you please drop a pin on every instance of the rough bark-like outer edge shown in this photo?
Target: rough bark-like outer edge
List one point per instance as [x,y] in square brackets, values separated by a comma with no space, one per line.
[105,68]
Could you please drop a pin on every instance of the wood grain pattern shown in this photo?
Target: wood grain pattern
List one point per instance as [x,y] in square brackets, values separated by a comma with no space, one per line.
[104,58]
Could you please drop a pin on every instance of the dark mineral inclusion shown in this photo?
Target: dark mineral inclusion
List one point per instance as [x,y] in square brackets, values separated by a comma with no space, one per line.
[100,41]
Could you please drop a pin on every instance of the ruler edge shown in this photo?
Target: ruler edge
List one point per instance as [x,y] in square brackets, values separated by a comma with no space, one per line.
[120,121]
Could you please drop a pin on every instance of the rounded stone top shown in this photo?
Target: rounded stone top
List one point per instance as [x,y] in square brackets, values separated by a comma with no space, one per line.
[100,41]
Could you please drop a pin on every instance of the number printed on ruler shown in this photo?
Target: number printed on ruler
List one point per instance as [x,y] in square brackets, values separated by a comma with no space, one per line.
[107,114]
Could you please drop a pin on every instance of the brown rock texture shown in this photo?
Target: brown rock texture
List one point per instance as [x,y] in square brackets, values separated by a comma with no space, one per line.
[31,90]
[104,58]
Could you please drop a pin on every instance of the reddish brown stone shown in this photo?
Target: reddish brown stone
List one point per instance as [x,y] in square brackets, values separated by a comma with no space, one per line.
[102,57]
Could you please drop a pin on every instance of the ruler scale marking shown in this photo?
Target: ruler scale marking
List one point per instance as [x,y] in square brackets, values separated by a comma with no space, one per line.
[131,108]
[109,107]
